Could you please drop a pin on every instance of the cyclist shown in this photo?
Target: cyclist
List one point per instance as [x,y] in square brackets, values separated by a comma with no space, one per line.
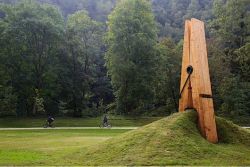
[105,121]
[50,120]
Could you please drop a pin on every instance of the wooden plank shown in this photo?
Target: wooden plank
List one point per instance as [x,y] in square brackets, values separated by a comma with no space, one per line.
[196,76]
[185,62]
[206,89]
[204,105]
[200,95]
[210,124]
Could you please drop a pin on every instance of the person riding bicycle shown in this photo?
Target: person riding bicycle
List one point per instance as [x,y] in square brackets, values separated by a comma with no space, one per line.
[50,120]
[105,121]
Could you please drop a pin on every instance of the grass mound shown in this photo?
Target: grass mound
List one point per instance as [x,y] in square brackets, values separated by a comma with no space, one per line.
[174,140]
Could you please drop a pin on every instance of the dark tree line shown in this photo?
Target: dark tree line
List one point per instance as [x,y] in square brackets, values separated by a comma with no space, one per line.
[49,64]
[230,56]
[79,57]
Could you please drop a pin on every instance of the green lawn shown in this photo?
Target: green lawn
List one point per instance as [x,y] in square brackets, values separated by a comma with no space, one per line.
[174,140]
[75,122]
[118,121]
[49,147]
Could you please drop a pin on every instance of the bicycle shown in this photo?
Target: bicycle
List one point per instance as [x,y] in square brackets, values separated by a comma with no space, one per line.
[105,125]
[47,125]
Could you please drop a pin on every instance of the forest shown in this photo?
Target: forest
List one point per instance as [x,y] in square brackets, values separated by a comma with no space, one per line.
[82,58]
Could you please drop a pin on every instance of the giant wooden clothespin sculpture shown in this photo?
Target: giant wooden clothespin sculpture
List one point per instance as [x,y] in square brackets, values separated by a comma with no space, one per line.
[195,87]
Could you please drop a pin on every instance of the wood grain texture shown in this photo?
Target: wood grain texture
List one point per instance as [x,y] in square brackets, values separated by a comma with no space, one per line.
[183,101]
[197,94]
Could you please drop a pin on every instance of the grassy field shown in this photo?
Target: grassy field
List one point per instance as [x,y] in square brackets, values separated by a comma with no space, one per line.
[118,121]
[75,122]
[174,140]
[49,147]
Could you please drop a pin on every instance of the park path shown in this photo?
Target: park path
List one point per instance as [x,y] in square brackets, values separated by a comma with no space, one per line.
[66,128]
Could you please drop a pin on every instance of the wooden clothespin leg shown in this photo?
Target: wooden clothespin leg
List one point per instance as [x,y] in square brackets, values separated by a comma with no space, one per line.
[195,84]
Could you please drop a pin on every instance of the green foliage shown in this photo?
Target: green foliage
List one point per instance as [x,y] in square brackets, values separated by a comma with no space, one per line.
[97,9]
[231,24]
[62,106]
[167,77]
[84,41]
[57,48]
[230,53]
[30,38]
[62,63]
[38,106]
[241,59]
[131,57]
[230,85]
[171,14]
[235,95]
[7,101]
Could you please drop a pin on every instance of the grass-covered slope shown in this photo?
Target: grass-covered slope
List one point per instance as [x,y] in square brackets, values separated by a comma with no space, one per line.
[174,140]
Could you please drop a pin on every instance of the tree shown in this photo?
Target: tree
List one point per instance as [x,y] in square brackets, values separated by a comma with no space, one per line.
[31,40]
[230,32]
[131,57]
[171,15]
[231,23]
[168,75]
[83,37]
[8,98]
[38,106]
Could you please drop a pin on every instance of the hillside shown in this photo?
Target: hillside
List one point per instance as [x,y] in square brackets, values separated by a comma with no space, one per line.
[174,140]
